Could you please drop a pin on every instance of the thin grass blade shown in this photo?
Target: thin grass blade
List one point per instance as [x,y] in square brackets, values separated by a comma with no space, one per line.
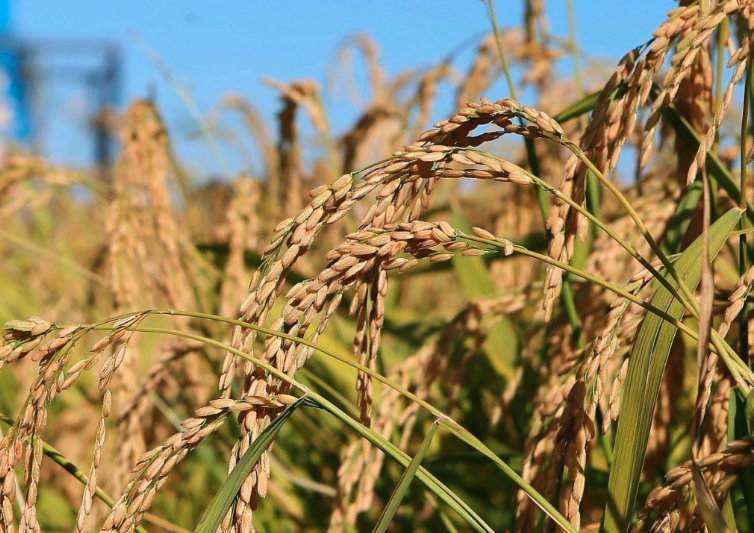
[740,424]
[711,513]
[535,496]
[222,501]
[402,488]
[452,499]
[681,219]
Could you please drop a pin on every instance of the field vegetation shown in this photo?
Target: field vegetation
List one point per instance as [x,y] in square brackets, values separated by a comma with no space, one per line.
[522,318]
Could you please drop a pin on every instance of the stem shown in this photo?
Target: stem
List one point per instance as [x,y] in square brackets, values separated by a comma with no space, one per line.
[741,373]
[689,302]
[367,433]
[58,458]
[623,244]
[743,248]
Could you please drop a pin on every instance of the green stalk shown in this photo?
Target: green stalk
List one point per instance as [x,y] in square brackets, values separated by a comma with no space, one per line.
[741,373]
[365,432]
[743,248]
[566,295]
[690,302]
[58,458]
[531,156]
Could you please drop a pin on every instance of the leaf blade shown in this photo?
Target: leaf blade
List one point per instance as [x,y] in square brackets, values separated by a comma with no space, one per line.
[645,369]
[227,492]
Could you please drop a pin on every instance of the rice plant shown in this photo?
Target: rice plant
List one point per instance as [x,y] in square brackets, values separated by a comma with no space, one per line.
[525,317]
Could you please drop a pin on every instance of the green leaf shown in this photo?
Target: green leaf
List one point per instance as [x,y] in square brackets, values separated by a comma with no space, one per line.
[402,488]
[227,492]
[728,513]
[645,369]
[391,450]
[535,496]
[587,104]
[742,491]
[711,513]
[681,219]
[750,410]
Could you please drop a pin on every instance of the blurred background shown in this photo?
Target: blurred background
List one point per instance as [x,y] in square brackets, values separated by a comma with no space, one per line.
[67,66]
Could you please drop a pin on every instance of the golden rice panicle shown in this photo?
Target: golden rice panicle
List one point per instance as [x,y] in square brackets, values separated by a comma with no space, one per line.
[723,106]
[694,103]
[304,94]
[368,336]
[21,443]
[613,118]
[359,262]
[715,433]
[707,395]
[667,500]
[555,380]
[561,224]
[403,185]
[148,253]
[290,241]
[244,229]
[153,468]
[91,486]
[688,29]
[736,301]
[577,423]
[138,417]
[611,122]
[333,202]
[571,388]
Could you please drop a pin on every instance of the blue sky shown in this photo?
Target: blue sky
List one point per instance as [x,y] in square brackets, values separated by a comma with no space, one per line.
[214,47]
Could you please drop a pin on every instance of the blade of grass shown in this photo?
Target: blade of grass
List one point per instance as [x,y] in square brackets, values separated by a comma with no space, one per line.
[227,492]
[645,370]
[729,514]
[454,501]
[742,492]
[711,513]
[682,217]
[402,488]
[433,484]
[535,496]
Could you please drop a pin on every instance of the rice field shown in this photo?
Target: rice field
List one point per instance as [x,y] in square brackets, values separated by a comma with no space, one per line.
[526,317]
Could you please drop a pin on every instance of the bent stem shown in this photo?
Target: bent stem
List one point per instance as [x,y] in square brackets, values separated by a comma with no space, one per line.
[365,432]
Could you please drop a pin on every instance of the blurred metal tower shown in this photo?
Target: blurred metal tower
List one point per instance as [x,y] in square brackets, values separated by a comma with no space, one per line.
[29,66]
